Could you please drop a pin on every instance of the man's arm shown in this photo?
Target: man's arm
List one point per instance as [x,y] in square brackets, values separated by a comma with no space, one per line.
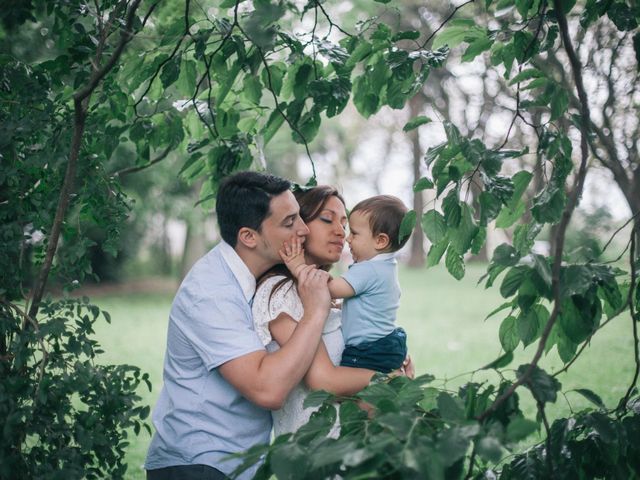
[267,378]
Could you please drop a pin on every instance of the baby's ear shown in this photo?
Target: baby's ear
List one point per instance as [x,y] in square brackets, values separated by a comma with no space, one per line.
[382,241]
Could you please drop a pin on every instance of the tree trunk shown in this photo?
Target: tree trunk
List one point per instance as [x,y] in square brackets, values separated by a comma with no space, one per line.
[417,255]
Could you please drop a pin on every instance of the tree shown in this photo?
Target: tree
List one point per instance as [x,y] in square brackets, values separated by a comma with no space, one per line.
[216,85]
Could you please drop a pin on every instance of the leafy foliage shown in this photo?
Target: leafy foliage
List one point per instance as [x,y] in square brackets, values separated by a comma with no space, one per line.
[215,86]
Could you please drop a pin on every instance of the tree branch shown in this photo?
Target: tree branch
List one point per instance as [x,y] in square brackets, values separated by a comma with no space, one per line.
[568,211]
[81,103]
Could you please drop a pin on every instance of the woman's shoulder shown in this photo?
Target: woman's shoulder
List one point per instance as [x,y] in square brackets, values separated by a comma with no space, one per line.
[276,294]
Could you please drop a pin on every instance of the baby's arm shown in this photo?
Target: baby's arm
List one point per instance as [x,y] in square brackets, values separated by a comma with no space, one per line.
[292,255]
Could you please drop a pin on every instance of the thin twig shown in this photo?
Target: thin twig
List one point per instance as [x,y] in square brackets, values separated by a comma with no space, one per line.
[545,422]
[291,125]
[129,170]
[455,10]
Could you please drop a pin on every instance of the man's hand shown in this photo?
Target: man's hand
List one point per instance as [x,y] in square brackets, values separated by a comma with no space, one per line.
[313,290]
[406,370]
[292,255]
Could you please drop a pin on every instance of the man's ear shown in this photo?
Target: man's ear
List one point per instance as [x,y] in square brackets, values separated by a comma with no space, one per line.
[382,241]
[248,237]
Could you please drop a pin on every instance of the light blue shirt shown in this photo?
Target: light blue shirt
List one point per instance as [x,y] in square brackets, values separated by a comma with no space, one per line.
[371,313]
[200,418]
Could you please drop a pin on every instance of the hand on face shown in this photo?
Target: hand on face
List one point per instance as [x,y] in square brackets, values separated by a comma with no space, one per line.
[292,255]
[314,290]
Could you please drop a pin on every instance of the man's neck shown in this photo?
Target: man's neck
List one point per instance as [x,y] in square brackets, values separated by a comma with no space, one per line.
[256,265]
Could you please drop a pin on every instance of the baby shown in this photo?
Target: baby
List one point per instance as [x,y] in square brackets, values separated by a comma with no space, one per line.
[370,287]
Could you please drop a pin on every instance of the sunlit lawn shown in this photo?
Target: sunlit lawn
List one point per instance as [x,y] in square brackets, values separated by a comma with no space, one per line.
[448,336]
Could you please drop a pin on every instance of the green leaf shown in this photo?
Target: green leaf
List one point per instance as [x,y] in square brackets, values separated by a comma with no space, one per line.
[450,407]
[454,442]
[407,225]
[623,16]
[479,240]
[317,398]
[500,362]
[513,279]
[252,89]
[423,184]
[272,77]
[592,397]
[559,103]
[548,205]
[521,181]
[275,121]
[526,74]
[406,35]
[434,226]
[520,428]
[575,280]
[499,309]
[567,5]
[463,235]
[452,209]
[170,71]
[416,122]
[524,45]
[528,326]
[476,47]
[543,386]
[490,207]
[454,264]
[510,215]
[524,237]
[450,36]
[436,251]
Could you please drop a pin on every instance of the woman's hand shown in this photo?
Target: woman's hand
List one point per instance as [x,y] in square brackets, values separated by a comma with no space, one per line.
[313,290]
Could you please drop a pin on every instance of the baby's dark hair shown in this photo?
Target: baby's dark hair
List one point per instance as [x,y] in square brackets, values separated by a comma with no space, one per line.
[385,216]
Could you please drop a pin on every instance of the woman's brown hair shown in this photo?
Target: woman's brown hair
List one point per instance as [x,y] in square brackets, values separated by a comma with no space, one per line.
[312,201]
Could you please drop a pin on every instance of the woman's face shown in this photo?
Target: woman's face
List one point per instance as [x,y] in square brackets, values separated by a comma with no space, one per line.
[326,237]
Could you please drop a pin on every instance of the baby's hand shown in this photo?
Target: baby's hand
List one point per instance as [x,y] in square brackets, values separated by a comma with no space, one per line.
[292,255]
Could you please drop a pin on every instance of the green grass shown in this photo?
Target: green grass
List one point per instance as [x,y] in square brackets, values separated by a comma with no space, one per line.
[448,336]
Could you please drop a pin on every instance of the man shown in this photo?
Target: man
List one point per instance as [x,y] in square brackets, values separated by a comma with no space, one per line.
[219,382]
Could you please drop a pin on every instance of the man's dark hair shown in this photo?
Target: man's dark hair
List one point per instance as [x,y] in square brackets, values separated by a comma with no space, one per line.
[243,201]
[385,216]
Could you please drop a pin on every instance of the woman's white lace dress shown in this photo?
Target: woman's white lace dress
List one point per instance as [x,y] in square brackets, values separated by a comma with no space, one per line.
[286,300]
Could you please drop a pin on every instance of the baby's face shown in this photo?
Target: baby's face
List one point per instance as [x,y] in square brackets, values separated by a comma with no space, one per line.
[361,241]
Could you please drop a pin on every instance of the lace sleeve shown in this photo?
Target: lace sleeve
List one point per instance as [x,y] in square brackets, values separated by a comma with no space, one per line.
[267,307]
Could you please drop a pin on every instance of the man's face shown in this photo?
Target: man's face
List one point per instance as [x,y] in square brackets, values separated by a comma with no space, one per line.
[282,224]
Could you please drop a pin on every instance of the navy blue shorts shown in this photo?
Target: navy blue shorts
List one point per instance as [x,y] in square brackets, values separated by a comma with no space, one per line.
[382,355]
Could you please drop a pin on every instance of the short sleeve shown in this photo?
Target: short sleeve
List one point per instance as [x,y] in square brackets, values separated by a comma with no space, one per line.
[361,277]
[266,307]
[218,328]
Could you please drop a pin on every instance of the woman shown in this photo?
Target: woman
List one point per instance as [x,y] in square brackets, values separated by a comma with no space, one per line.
[277,308]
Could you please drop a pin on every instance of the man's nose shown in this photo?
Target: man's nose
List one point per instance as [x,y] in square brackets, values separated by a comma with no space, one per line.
[303,230]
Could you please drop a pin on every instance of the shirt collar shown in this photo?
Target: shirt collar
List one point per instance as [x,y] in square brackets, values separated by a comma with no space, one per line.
[383,256]
[239,269]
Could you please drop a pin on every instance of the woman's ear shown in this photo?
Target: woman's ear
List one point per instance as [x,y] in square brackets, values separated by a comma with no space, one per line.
[247,237]
[382,241]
